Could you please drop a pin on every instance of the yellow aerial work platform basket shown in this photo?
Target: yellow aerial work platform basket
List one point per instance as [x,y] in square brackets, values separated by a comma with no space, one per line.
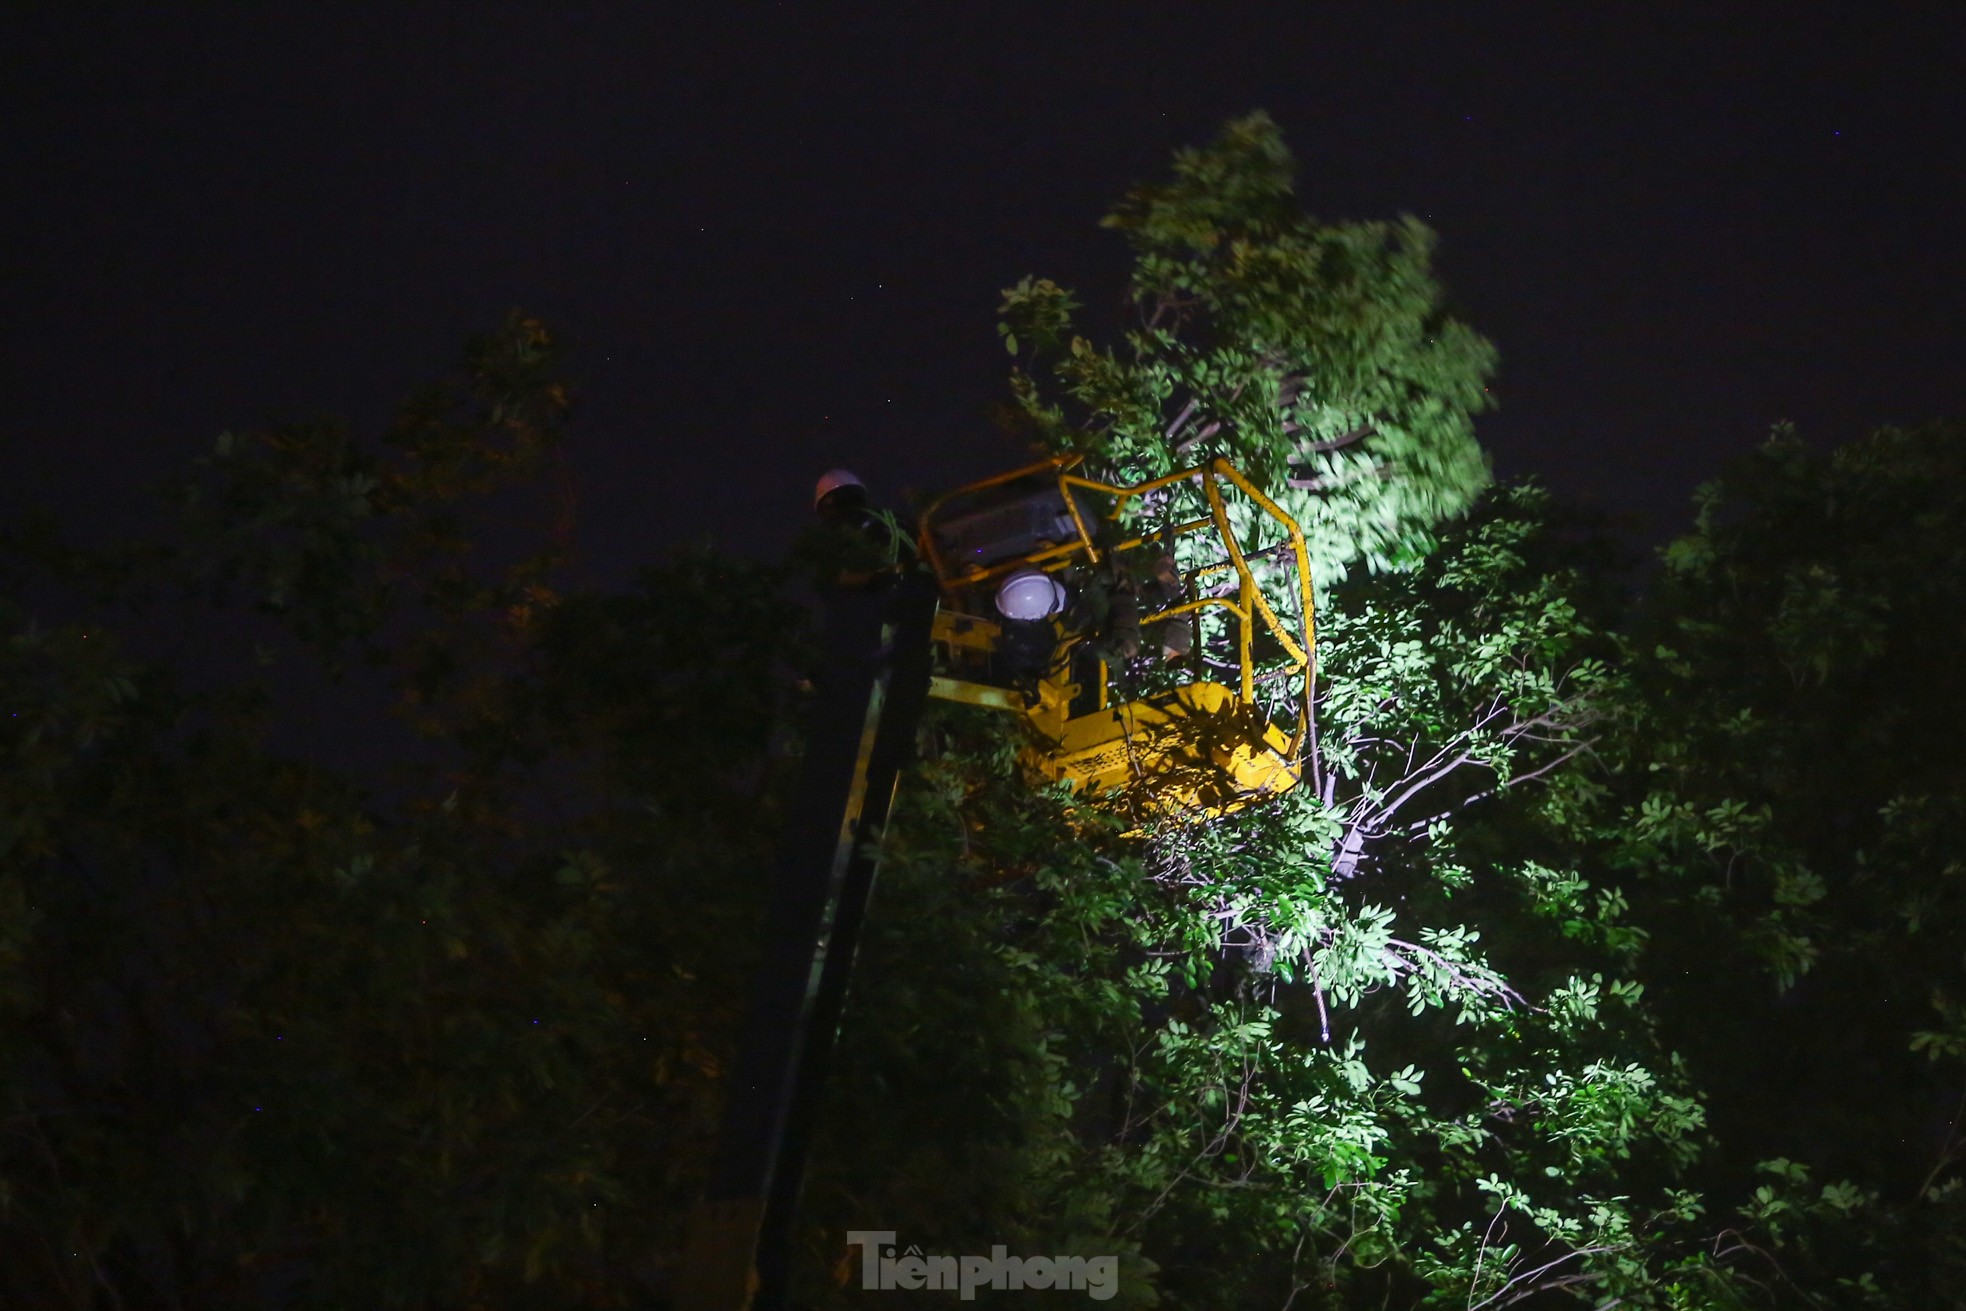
[1192,745]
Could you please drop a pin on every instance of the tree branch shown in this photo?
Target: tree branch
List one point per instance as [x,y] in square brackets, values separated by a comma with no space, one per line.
[1181,419]
[1532,775]
[1208,430]
[1497,1298]
[1338,443]
[1495,987]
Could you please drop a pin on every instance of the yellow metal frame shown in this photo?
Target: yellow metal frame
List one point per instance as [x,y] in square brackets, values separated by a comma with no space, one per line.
[1202,727]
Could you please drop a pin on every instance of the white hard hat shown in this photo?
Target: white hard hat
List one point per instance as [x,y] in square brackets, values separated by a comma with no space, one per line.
[1030,594]
[831,481]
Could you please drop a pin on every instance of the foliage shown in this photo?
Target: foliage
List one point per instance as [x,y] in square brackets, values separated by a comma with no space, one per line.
[1362,1044]
[1288,1067]
[1414,1034]
[1484,1013]
[1792,802]
[277,1036]
[1319,355]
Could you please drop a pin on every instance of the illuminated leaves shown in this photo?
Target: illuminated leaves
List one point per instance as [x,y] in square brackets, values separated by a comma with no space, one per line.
[1316,356]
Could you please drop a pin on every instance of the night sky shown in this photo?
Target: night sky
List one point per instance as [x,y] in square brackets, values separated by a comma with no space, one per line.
[773,236]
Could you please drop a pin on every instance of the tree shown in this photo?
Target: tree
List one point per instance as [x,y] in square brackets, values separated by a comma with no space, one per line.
[1443,1026]
[444,1023]
[1791,826]
[1262,1076]
[1318,354]
[440,1034]
[1269,1057]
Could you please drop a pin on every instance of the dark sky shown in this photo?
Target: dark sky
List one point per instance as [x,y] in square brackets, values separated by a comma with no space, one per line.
[773,234]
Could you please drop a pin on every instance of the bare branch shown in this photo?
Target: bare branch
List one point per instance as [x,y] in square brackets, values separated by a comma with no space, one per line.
[1338,443]
[1534,774]
[1315,484]
[1317,990]
[1497,1298]
[1207,430]
[1481,1253]
[1181,419]
[1420,784]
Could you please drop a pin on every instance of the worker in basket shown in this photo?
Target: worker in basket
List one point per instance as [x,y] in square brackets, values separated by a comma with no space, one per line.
[1104,604]
[1119,592]
[853,545]
[1049,588]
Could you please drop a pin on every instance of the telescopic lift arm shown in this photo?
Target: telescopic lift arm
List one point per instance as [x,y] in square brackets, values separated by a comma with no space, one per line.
[869,695]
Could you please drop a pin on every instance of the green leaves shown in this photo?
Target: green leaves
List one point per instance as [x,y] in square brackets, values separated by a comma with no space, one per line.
[1442,1026]
[1791,725]
[429,1036]
[1314,355]
[1340,1036]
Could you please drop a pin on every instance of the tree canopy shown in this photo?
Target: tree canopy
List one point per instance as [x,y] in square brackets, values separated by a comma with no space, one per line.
[1610,954]
[1318,354]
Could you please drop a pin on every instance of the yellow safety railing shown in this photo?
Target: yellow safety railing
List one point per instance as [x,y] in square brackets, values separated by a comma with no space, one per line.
[1250,604]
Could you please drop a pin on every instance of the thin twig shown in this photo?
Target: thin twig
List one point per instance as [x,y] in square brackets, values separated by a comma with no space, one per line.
[1496,1299]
